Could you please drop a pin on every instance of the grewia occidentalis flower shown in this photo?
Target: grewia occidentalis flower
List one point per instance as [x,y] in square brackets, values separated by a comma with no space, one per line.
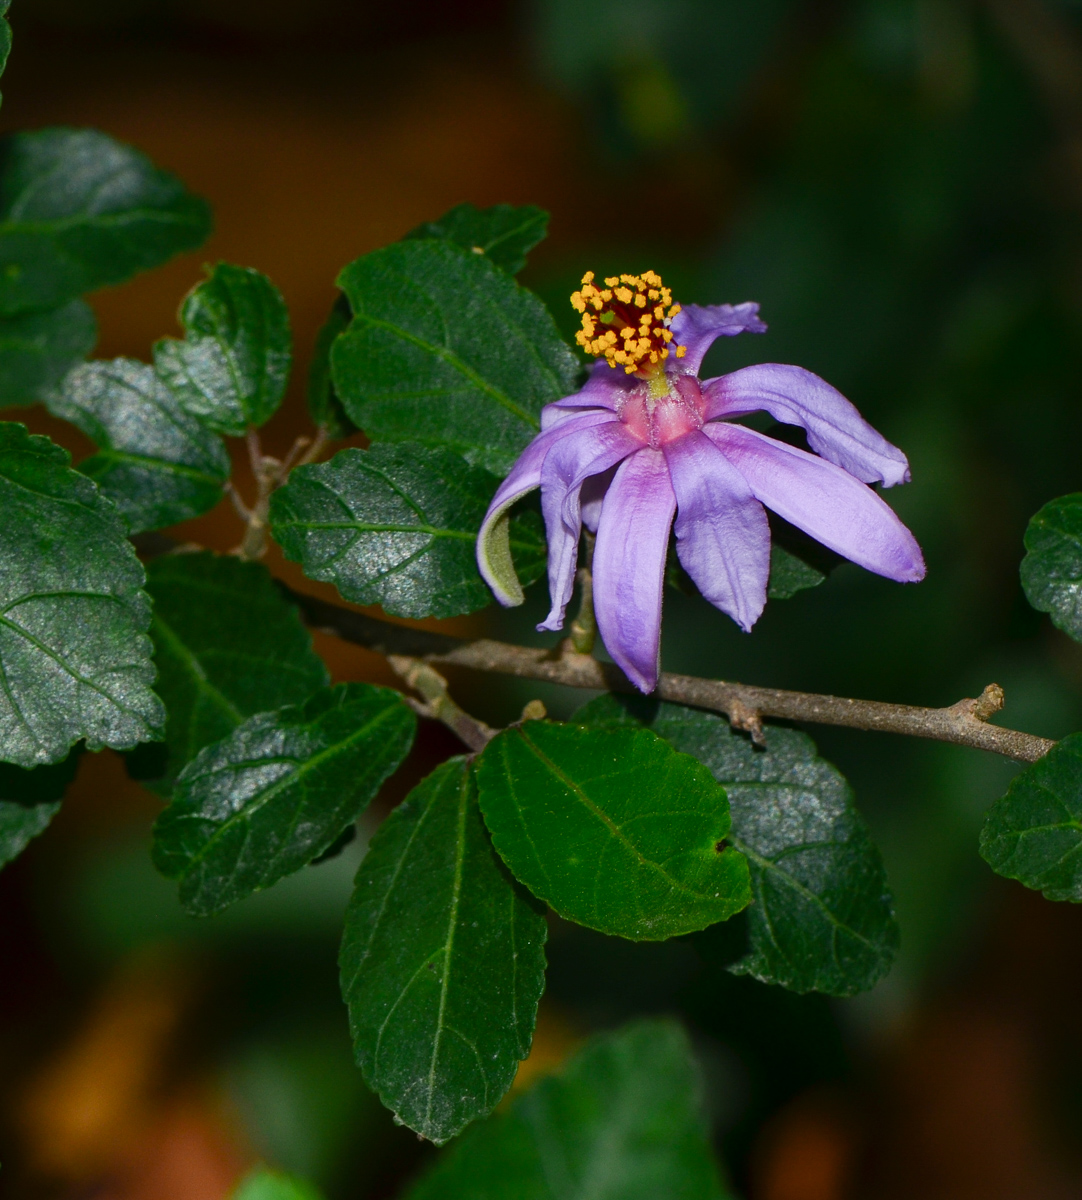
[646,440]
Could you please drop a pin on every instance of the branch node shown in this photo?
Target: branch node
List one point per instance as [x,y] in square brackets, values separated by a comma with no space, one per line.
[747,719]
[438,704]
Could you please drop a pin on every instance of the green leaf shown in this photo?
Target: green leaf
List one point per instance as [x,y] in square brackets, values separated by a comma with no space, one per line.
[442,961]
[396,525]
[5,36]
[29,800]
[156,463]
[445,348]
[790,574]
[622,1121]
[613,828]
[323,404]
[1052,569]
[79,210]
[276,793]
[797,562]
[823,916]
[504,233]
[38,349]
[262,1184]
[228,645]
[1034,832]
[74,657]
[232,368]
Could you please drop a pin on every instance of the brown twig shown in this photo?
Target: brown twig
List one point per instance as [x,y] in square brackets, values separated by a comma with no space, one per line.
[964,723]
[437,701]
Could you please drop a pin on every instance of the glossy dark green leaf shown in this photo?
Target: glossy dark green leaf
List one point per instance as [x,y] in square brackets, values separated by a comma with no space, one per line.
[504,233]
[74,656]
[232,368]
[396,525]
[38,349]
[156,463]
[1034,832]
[790,574]
[79,210]
[613,828]
[263,1184]
[278,791]
[445,348]
[442,961]
[29,800]
[797,562]
[227,645]
[822,917]
[323,404]
[622,1121]
[1052,569]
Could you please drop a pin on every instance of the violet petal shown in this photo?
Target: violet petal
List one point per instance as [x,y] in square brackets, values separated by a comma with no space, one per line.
[605,388]
[823,500]
[570,462]
[835,428]
[493,539]
[722,534]
[697,326]
[629,564]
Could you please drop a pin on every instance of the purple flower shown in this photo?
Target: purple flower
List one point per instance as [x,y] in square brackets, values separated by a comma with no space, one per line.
[646,440]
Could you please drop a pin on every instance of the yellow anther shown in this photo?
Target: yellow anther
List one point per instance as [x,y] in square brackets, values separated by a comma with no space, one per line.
[626,321]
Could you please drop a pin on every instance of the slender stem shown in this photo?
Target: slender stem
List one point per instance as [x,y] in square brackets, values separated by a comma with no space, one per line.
[437,702]
[964,723]
[269,475]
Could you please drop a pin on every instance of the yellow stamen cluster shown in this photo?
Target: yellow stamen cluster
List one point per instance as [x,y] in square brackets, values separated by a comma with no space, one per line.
[627,321]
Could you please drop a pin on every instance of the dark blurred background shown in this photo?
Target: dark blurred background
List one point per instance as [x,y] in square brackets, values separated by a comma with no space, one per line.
[899,183]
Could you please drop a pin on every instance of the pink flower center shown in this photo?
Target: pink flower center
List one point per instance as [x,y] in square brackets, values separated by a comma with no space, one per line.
[663,408]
